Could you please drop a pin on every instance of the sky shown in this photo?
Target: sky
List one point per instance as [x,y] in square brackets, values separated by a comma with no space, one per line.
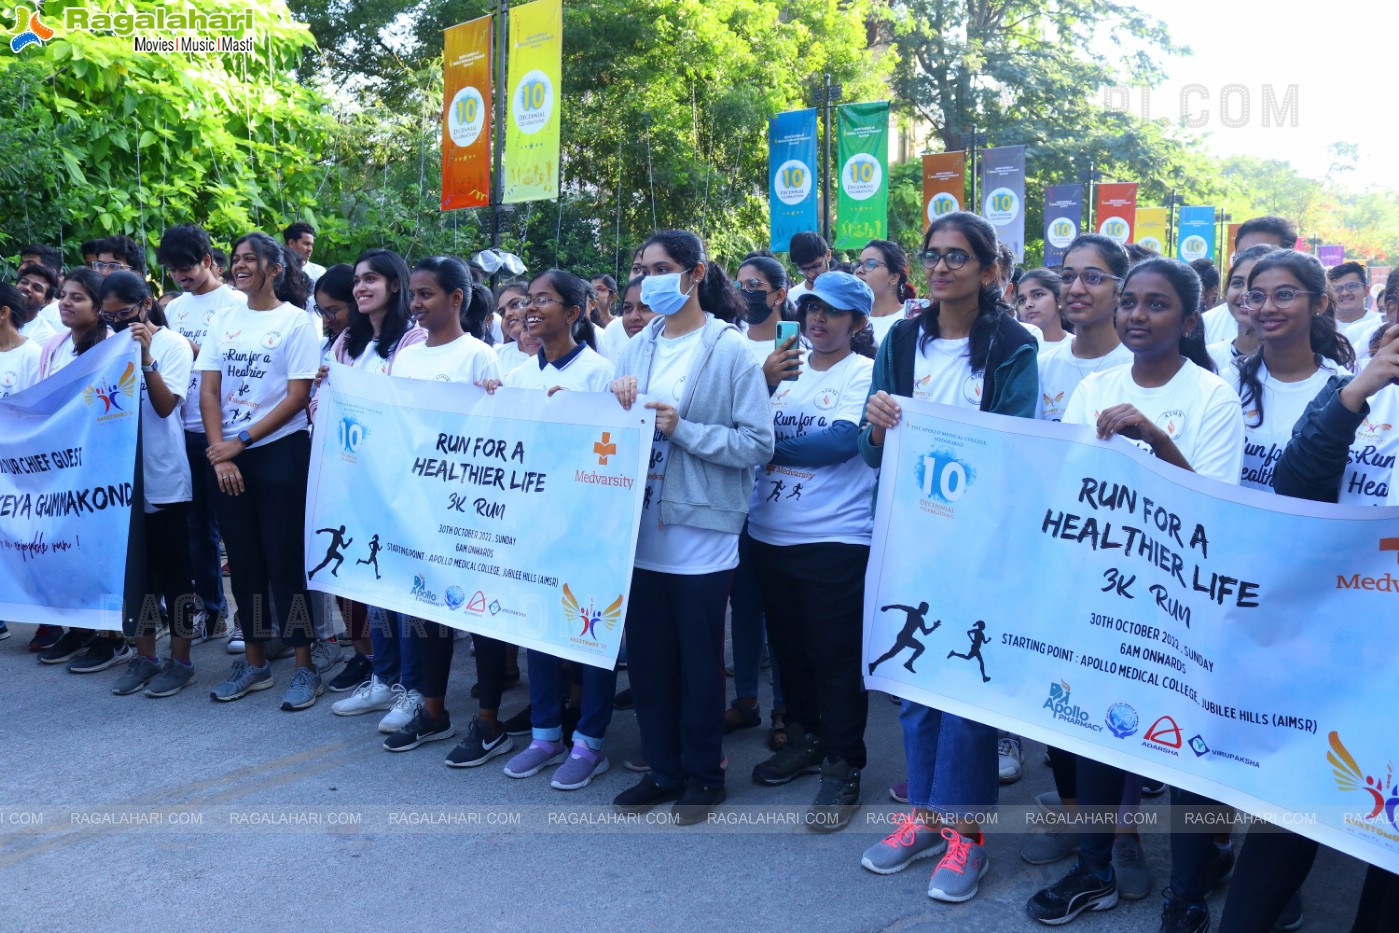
[1336,58]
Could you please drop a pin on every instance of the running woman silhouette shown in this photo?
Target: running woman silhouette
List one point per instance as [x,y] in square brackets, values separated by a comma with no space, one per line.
[913,625]
[977,633]
[373,560]
[332,553]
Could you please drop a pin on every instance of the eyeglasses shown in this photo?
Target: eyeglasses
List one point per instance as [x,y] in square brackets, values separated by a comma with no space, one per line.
[869,265]
[518,304]
[1091,277]
[1349,288]
[121,313]
[955,258]
[819,265]
[1282,298]
[815,305]
[754,284]
[101,266]
[542,301]
[332,312]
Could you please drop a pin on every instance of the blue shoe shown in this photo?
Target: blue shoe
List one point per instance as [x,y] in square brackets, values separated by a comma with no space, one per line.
[242,680]
[306,685]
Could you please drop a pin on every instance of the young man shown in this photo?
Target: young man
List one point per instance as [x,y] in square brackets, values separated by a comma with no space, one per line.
[119,253]
[39,285]
[300,238]
[812,256]
[1354,319]
[89,251]
[1275,231]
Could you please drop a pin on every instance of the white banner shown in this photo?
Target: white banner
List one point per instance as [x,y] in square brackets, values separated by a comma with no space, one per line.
[1083,594]
[511,515]
[67,472]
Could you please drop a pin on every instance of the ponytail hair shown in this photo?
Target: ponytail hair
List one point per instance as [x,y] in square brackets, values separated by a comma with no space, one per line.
[990,300]
[130,288]
[478,307]
[775,274]
[1185,282]
[717,295]
[574,292]
[897,261]
[11,298]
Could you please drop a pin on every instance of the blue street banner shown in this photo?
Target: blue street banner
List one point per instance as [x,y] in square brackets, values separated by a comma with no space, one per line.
[1195,239]
[67,490]
[1063,221]
[511,515]
[1141,615]
[1003,195]
[791,176]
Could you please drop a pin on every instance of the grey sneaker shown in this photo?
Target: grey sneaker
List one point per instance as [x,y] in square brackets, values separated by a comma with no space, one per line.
[539,755]
[325,655]
[1044,848]
[138,671]
[958,876]
[911,840]
[173,678]
[306,685]
[580,768]
[242,680]
[1133,877]
[838,798]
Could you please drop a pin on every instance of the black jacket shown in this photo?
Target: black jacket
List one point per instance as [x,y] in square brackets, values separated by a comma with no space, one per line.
[1314,461]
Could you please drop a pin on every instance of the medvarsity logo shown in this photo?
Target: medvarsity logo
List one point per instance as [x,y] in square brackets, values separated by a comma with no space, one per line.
[1385,584]
[590,615]
[111,395]
[605,448]
[1384,792]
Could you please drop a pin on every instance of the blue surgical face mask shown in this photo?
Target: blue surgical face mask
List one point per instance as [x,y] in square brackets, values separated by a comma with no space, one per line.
[662,294]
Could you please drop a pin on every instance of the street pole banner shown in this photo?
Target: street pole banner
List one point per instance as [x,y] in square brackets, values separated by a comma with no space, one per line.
[862,201]
[944,183]
[1116,211]
[791,176]
[511,515]
[535,63]
[1331,256]
[1150,229]
[1195,240]
[1227,254]
[1003,195]
[467,101]
[1063,221]
[1141,615]
[67,490]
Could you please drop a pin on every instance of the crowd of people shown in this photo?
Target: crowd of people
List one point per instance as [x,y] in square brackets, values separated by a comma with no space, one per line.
[773,394]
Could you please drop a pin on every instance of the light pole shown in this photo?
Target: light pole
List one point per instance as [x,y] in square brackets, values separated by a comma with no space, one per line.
[823,95]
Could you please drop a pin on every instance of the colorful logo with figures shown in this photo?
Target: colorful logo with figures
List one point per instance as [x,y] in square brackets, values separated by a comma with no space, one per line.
[589,616]
[112,395]
[1373,430]
[29,30]
[1121,720]
[1384,792]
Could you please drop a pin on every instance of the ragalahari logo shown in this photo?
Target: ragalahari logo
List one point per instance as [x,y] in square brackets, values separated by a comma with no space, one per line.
[1384,794]
[111,395]
[29,30]
[590,615]
[604,448]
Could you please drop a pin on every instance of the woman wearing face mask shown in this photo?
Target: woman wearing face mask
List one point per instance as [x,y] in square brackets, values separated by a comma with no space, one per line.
[713,426]
[1037,302]
[1225,352]
[883,266]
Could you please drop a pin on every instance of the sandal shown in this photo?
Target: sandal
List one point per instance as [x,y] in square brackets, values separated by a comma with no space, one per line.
[777,737]
[741,716]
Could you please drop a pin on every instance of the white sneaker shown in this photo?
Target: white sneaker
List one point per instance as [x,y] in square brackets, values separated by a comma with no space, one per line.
[199,627]
[1008,749]
[235,640]
[325,654]
[369,696]
[404,706]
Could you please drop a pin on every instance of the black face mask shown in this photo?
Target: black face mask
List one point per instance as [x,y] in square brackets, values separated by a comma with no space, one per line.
[758,310]
[119,325]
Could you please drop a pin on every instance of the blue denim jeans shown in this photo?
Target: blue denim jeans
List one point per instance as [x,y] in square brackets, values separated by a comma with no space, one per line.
[204,528]
[748,628]
[546,687]
[397,659]
[953,768]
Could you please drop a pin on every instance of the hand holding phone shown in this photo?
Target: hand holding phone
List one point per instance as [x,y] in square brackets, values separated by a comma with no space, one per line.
[788,332]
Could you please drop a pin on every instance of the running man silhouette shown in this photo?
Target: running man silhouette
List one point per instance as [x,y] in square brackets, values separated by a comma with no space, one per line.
[332,553]
[776,493]
[912,626]
[977,633]
[796,492]
[373,560]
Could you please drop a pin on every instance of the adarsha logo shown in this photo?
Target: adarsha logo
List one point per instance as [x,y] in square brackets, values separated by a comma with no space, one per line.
[477,604]
[113,397]
[1385,584]
[420,591]
[1383,792]
[1059,705]
[1164,735]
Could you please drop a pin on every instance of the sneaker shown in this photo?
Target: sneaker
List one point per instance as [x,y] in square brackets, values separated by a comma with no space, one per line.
[278,650]
[802,755]
[357,670]
[405,705]
[218,628]
[173,678]
[371,696]
[1081,889]
[1220,871]
[898,792]
[199,628]
[1046,848]
[4,631]
[538,755]
[911,840]
[45,636]
[519,724]
[638,765]
[1182,917]
[957,877]
[1008,749]
[325,654]
[421,728]
[67,647]
[837,799]
[1129,869]
[645,794]
[1291,916]
[479,747]
[235,643]
[625,699]
[242,680]
[740,715]
[139,672]
[1152,788]
[306,685]
[696,802]
[582,766]
[102,654]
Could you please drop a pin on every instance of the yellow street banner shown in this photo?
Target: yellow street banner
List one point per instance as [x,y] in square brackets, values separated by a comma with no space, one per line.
[535,63]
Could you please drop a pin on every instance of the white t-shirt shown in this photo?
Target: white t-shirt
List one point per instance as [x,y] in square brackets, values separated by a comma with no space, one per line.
[942,372]
[1220,324]
[314,271]
[1368,479]
[190,316]
[1283,405]
[809,504]
[1047,345]
[19,368]
[679,549]
[1061,372]
[370,361]
[40,329]
[465,359]
[612,341]
[760,350]
[582,370]
[258,353]
[1223,354]
[1360,333]
[1199,410]
[509,356]
[164,466]
[882,325]
[62,356]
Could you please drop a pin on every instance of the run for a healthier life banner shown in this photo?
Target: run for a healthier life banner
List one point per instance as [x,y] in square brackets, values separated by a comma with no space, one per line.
[67,469]
[511,515]
[1223,640]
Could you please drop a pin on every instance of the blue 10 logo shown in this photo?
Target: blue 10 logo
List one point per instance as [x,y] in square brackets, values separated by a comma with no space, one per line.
[351,435]
[949,477]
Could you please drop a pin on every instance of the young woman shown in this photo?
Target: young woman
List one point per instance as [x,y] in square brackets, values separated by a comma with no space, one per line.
[713,426]
[605,296]
[1225,352]
[19,356]
[1093,269]
[334,299]
[1167,402]
[966,350]
[257,364]
[635,314]
[810,524]
[1037,302]
[883,266]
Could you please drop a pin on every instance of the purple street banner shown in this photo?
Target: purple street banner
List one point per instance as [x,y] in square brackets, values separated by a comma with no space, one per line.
[1003,195]
[1063,221]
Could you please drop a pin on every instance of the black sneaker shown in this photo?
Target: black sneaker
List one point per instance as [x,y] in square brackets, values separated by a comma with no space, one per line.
[1182,917]
[1151,788]
[1221,868]
[68,646]
[696,802]
[645,794]
[421,728]
[624,700]
[519,724]
[355,672]
[102,654]
[479,746]
[512,679]
[838,798]
[802,755]
[1081,889]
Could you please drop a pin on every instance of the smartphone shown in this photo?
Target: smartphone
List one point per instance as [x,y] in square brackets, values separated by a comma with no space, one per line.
[786,330]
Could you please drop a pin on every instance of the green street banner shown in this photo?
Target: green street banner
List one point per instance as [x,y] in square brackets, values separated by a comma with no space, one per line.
[862,203]
[535,63]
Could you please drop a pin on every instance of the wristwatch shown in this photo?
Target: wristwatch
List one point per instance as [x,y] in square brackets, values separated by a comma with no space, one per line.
[245,437]
[154,367]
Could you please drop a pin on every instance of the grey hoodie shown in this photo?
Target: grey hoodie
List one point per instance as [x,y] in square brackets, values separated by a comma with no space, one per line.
[725,427]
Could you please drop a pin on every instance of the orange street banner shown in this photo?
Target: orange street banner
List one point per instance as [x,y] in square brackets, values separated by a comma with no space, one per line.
[944,183]
[535,65]
[466,115]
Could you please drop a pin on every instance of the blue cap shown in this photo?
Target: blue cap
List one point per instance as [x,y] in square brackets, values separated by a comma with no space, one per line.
[841,291]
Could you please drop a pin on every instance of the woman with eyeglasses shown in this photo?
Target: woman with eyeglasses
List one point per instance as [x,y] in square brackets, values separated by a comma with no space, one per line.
[1037,302]
[1246,342]
[883,266]
[511,303]
[966,350]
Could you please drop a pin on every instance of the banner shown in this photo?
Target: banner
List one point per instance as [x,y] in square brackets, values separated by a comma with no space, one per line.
[68,488]
[1003,195]
[1229,249]
[944,183]
[1063,221]
[862,202]
[1116,211]
[1150,229]
[466,114]
[791,177]
[1195,236]
[1141,615]
[511,515]
[1331,255]
[535,63]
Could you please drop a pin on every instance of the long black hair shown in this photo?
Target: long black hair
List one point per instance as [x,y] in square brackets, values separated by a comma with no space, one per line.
[981,236]
[90,281]
[1326,342]
[574,292]
[396,317]
[11,298]
[1185,282]
[291,284]
[1054,282]
[774,274]
[717,294]
[897,261]
[132,289]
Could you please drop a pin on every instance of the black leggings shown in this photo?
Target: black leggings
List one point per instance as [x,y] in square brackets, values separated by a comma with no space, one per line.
[490,670]
[436,645]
